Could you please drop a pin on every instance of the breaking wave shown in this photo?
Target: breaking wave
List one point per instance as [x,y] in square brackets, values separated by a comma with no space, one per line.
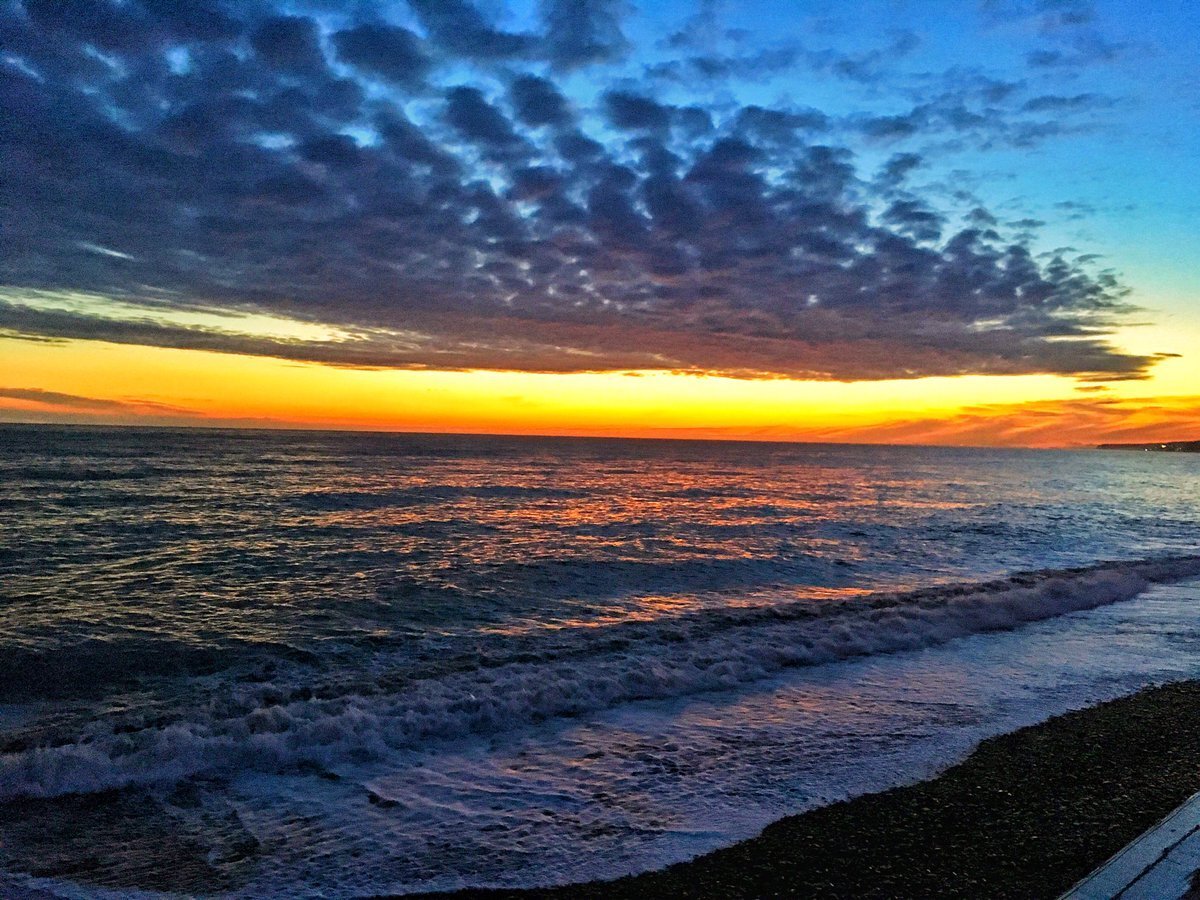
[276,728]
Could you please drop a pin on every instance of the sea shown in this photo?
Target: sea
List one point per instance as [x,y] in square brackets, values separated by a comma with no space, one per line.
[289,664]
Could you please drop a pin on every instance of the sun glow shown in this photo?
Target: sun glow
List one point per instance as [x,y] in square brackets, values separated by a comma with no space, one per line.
[91,381]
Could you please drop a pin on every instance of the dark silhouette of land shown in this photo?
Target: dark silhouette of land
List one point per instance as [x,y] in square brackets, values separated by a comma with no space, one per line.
[1168,447]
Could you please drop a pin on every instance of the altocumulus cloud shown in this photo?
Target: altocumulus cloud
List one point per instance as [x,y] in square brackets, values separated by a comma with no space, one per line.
[422,181]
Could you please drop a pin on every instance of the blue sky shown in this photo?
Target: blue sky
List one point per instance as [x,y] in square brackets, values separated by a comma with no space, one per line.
[1119,181]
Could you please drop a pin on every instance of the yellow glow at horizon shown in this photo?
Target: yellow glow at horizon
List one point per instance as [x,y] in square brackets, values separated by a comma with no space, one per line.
[221,388]
[229,387]
[1176,376]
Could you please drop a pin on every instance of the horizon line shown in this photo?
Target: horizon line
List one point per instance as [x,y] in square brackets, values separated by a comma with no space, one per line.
[311,429]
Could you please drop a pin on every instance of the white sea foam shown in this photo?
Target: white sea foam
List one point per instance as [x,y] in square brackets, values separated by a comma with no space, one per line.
[585,671]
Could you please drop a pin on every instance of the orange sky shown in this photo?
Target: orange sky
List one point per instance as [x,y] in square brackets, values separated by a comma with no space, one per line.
[93,381]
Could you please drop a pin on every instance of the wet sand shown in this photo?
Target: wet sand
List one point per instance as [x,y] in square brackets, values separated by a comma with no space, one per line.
[1025,816]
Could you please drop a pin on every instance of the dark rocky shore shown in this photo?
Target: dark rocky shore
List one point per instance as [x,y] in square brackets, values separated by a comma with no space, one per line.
[1025,816]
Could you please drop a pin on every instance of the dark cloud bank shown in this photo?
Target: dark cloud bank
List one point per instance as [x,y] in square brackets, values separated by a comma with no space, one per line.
[429,189]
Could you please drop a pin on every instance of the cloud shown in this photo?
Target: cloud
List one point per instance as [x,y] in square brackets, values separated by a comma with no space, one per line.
[469,112]
[718,67]
[1060,104]
[1082,52]
[1069,30]
[583,32]
[897,169]
[1075,422]
[289,43]
[973,110]
[536,101]
[386,51]
[719,62]
[869,66]
[445,196]
[75,402]
[460,29]
[634,112]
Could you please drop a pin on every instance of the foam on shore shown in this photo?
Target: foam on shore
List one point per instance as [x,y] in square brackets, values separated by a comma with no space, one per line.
[575,672]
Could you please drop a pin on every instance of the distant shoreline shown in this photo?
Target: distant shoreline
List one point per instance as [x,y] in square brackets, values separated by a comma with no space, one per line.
[1164,447]
[1027,815]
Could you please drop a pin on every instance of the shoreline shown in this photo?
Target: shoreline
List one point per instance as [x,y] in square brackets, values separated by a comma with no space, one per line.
[1026,815]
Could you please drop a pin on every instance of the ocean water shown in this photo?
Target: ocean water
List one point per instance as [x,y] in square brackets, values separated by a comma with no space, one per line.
[295,664]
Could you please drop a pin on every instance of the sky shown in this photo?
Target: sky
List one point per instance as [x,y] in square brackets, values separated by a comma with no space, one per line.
[889,221]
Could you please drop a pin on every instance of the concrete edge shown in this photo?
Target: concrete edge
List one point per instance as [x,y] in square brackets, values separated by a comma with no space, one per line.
[1139,857]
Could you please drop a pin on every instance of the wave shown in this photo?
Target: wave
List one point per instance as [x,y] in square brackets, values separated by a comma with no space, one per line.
[423,494]
[88,474]
[739,492]
[90,667]
[593,577]
[260,727]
